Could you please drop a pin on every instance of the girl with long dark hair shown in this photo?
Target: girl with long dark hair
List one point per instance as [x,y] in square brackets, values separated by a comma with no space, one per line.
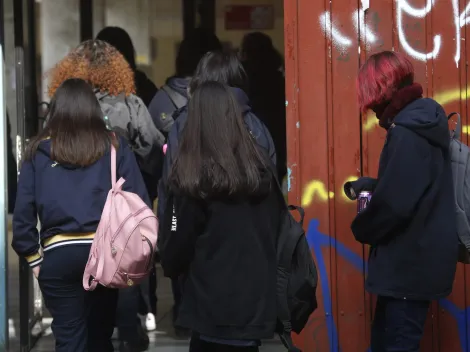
[220,227]
[226,69]
[64,181]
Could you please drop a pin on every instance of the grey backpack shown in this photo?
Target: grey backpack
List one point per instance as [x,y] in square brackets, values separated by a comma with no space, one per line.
[460,158]
[165,121]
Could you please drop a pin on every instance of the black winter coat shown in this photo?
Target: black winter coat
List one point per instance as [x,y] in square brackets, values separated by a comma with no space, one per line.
[226,251]
[410,222]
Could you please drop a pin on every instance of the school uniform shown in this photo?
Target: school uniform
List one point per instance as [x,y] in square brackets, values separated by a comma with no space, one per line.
[69,201]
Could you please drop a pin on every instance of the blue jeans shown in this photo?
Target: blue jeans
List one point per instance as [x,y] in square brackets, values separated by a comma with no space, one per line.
[398,325]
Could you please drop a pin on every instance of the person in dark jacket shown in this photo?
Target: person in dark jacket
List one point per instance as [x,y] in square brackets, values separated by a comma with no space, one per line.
[227,69]
[64,181]
[267,92]
[108,72]
[174,94]
[120,39]
[219,232]
[214,66]
[410,222]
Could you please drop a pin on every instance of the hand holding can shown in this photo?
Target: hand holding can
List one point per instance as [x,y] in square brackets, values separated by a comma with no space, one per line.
[363,200]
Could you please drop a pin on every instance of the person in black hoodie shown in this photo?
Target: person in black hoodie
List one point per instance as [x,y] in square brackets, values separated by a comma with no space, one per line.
[219,232]
[174,94]
[410,222]
[263,65]
[64,181]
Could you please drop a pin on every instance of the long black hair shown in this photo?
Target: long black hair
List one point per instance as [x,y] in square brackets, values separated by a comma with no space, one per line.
[78,133]
[217,155]
[220,67]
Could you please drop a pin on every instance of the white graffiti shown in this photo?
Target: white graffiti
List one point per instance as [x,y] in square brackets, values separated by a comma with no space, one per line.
[340,41]
[460,20]
[367,36]
[404,7]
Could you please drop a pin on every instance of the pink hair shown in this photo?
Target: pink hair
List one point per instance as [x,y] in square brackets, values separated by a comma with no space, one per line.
[381,76]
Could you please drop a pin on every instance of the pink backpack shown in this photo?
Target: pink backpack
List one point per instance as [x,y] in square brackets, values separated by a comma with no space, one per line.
[122,251]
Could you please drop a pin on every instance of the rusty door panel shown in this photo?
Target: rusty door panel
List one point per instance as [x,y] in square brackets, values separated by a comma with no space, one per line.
[329,142]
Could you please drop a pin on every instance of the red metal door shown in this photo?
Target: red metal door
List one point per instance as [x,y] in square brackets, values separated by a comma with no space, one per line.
[330,142]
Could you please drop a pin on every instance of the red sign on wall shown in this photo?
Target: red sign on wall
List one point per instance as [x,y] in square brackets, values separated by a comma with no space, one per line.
[246,17]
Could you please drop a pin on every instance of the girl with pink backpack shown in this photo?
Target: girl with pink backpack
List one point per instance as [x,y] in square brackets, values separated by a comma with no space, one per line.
[65,179]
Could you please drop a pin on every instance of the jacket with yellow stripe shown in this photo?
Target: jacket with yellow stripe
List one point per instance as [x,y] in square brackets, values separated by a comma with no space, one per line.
[67,200]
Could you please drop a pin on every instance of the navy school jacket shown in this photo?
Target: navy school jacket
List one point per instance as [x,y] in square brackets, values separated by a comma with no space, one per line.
[67,199]
[410,222]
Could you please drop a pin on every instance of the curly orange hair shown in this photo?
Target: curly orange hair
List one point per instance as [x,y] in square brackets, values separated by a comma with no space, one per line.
[98,63]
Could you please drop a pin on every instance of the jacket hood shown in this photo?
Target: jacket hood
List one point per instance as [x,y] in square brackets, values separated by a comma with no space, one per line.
[426,118]
[242,99]
[103,95]
[179,84]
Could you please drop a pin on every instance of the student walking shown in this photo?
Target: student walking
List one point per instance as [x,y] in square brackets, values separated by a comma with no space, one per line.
[64,181]
[112,78]
[220,227]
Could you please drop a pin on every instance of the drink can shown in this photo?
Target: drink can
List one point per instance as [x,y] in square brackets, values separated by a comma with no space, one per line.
[363,200]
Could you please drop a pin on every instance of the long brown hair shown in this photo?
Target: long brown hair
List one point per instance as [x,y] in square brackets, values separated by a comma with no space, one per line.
[78,133]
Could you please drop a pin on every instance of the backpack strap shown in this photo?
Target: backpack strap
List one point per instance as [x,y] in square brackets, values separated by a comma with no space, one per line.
[455,134]
[176,98]
[301,212]
[113,165]
[284,259]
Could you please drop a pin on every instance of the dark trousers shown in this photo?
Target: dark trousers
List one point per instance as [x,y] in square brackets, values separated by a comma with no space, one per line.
[127,320]
[198,345]
[153,291]
[398,325]
[144,297]
[176,287]
[82,320]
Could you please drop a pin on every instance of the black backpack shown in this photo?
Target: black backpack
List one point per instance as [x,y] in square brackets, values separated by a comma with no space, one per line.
[297,276]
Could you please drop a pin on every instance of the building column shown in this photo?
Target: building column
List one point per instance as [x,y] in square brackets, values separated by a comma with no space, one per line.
[133,16]
[60,33]
[98,16]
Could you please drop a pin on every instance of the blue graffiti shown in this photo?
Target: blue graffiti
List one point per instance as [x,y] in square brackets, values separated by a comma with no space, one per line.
[318,240]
